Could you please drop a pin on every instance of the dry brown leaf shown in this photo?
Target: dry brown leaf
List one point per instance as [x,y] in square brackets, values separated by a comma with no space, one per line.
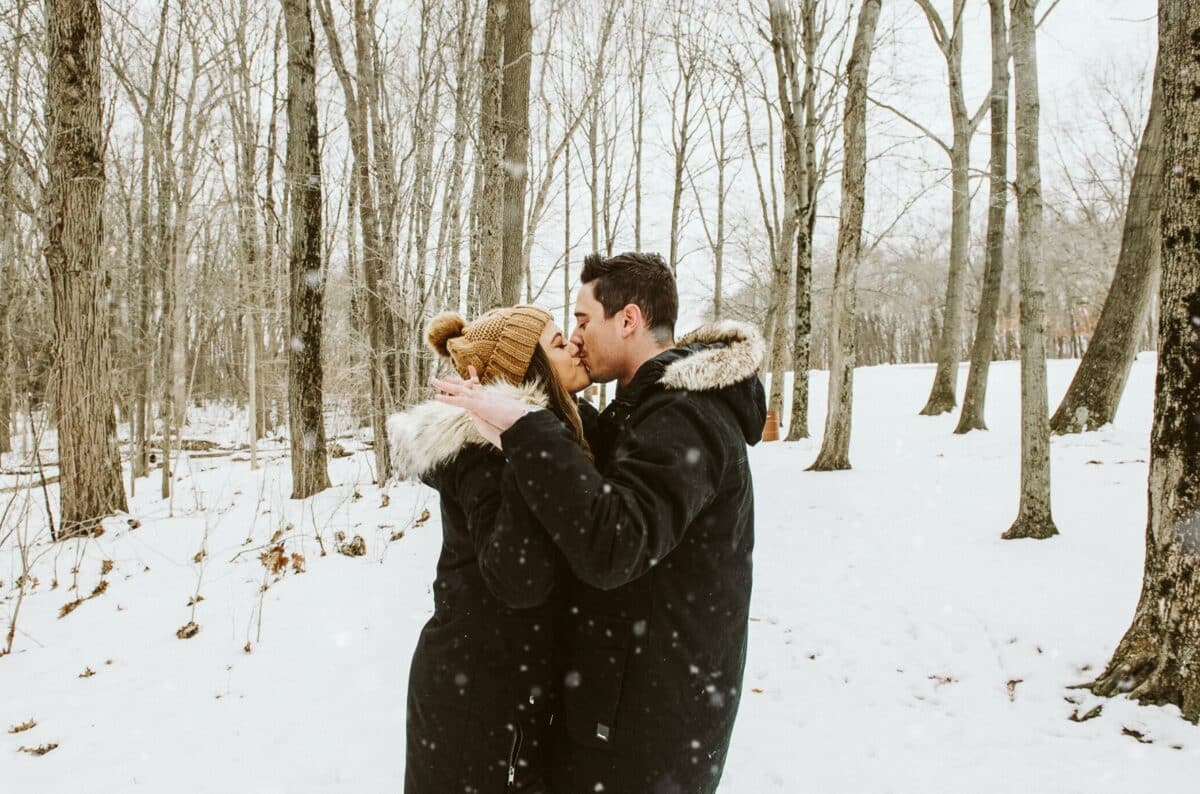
[396,535]
[274,559]
[355,548]
[41,749]
[387,500]
[247,648]
[297,563]
[87,673]
[200,555]
[68,607]
[756,690]
[278,534]
[187,630]
[421,519]
[106,567]
[24,726]
[193,600]
[99,589]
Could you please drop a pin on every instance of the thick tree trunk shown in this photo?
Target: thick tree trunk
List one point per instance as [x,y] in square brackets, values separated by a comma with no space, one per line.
[1034,519]
[1155,661]
[1095,391]
[90,487]
[975,397]
[835,446]
[306,276]
[514,110]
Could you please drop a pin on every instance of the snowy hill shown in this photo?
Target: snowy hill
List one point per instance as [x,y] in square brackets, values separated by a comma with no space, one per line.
[897,644]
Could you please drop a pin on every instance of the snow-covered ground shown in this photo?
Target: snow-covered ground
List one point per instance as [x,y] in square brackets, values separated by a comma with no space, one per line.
[897,644]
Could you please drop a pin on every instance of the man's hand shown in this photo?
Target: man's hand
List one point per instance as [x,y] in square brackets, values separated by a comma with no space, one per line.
[492,413]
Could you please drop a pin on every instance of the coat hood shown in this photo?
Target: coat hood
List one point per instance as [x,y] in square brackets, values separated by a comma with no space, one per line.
[723,354]
[427,435]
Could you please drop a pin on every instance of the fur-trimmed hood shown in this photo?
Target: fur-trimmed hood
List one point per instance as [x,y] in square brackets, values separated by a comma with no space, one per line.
[427,435]
[724,353]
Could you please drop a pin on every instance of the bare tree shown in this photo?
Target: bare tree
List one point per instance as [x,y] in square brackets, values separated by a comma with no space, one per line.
[972,416]
[1095,392]
[90,487]
[835,446]
[514,115]
[689,51]
[1034,518]
[306,269]
[1154,662]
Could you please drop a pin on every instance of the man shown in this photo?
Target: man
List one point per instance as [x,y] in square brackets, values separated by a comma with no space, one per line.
[658,530]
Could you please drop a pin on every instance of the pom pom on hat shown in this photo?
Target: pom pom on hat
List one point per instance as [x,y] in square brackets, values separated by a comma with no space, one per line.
[443,328]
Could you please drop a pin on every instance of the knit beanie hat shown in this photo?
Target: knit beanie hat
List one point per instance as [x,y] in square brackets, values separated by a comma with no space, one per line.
[500,343]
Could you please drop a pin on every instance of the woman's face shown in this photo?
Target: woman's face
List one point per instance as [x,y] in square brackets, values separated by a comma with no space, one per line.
[563,359]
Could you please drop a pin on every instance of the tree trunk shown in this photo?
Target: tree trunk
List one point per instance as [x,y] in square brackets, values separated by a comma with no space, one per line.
[514,111]
[1033,517]
[835,446]
[808,188]
[90,487]
[1095,391]
[1155,661]
[975,397]
[942,396]
[487,262]
[306,276]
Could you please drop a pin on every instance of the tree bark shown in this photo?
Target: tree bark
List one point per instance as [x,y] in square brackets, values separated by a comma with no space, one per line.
[487,259]
[942,396]
[90,487]
[975,397]
[514,111]
[1034,519]
[305,267]
[835,446]
[1095,392]
[808,188]
[1155,661]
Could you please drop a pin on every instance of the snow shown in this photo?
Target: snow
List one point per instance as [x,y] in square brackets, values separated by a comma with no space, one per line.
[897,644]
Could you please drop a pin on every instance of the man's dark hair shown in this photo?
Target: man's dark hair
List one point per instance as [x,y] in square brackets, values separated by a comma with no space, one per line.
[639,278]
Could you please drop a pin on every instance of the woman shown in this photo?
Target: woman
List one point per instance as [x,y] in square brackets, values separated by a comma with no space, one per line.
[483,680]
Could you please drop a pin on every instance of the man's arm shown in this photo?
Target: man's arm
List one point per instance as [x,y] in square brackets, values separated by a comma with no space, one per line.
[614,528]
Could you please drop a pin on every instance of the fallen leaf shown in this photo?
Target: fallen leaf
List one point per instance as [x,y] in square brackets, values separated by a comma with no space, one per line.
[756,690]
[187,630]
[106,567]
[1138,735]
[1012,688]
[87,673]
[99,589]
[355,548]
[1090,715]
[421,519]
[24,726]
[200,555]
[387,500]
[247,648]
[68,608]
[396,535]
[41,749]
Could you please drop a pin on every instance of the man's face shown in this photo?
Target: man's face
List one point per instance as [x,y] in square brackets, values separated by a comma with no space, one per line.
[598,339]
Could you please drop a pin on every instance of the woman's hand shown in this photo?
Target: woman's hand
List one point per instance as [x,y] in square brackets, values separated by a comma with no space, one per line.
[491,413]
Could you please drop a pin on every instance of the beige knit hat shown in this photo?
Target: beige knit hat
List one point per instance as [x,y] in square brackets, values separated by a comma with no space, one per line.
[500,343]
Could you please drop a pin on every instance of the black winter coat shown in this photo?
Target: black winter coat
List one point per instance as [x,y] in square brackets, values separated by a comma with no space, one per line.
[658,533]
[485,673]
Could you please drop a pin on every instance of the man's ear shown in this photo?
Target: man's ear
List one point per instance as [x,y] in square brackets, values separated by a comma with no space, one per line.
[631,320]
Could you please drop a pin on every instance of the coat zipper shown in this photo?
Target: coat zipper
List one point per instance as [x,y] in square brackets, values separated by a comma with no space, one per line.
[514,754]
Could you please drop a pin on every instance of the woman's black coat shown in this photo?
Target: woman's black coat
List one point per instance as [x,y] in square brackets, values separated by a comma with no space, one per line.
[483,682]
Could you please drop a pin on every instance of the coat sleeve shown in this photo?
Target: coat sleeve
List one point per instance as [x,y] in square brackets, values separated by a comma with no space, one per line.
[613,528]
[515,557]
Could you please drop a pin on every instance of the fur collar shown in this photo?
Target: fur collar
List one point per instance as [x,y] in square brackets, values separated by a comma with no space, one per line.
[734,352]
[427,435]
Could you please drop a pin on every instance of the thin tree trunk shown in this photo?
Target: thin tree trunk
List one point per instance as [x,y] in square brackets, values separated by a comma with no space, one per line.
[1095,391]
[514,112]
[975,397]
[90,486]
[1155,661]
[487,263]
[306,274]
[1034,518]
[835,446]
